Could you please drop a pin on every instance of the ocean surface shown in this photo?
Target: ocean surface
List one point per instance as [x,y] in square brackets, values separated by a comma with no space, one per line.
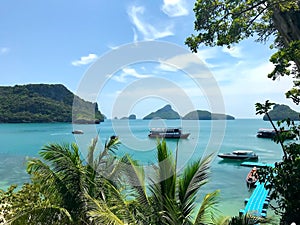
[18,142]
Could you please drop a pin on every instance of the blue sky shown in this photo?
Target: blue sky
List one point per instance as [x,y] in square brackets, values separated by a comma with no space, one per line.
[58,41]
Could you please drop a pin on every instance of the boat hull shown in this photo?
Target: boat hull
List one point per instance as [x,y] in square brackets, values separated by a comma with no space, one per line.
[237,157]
[174,136]
[77,132]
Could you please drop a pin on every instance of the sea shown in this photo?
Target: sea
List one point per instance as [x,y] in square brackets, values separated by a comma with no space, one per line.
[20,142]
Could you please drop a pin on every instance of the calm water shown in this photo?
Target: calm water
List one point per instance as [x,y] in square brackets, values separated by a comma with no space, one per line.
[20,141]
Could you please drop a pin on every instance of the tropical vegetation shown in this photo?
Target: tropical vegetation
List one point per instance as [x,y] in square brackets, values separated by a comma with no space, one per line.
[226,22]
[45,103]
[283,179]
[106,189]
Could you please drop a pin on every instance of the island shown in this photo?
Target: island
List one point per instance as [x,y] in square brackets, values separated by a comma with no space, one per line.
[206,115]
[44,103]
[169,114]
[131,117]
[164,113]
[281,112]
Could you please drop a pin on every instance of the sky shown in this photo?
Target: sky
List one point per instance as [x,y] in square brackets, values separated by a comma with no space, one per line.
[61,41]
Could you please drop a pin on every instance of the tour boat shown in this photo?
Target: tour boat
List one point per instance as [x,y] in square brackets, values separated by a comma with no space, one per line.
[239,155]
[266,133]
[270,133]
[167,133]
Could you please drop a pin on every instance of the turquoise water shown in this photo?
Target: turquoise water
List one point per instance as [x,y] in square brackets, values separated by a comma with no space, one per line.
[20,141]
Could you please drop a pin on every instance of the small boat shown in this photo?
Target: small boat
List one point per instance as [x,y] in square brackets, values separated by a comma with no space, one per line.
[252,177]
[167,133]
[266,133]
[270,133]
[77,132]
[239,155]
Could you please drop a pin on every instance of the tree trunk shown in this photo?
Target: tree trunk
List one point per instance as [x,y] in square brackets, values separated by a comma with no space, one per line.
[288,25]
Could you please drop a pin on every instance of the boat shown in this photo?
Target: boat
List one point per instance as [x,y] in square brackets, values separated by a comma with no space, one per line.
[239,155]
[270,133]
[167,133]
[252,177]
[77,132]
[266,133]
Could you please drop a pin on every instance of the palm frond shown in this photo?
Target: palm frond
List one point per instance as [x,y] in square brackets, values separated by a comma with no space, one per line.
[100,213]
[166,170]
[246,219]
[91,150]
[208,207]
[42,213]
[135,175]
[192,179]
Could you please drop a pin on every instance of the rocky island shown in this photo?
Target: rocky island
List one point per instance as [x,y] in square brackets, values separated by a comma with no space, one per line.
[206,115]
[168,113]
[281,112]
[44,103]
[164,113]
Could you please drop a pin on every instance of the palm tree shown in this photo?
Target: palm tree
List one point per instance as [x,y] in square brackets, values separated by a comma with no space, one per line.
[172,197]
[65,184]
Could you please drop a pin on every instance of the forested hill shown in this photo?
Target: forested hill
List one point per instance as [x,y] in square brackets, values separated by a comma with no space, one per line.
[168,113]
[281,112]
[164,113]
[45,103]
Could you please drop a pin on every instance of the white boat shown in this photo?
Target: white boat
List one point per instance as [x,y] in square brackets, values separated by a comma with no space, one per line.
[239,155]
[167,133]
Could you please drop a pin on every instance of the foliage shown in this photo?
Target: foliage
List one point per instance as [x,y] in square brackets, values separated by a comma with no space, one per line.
[28,205]
[64,186]
[283,179]
[44,103]
[172,197]
[226,22]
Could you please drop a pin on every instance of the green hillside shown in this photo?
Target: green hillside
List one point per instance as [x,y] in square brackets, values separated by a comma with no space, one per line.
[206,115]
[280,112]
[45,103]
[164,113]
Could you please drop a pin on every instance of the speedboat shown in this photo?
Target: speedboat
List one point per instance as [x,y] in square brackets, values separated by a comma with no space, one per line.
[239,155]
[167,133]
[77,132]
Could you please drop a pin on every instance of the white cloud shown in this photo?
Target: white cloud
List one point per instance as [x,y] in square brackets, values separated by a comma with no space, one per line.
[233,51]
[166,67]
[148,31]
[4,51]
[174,8]
[135,36]
[128,72]
[84,60]
[113,47]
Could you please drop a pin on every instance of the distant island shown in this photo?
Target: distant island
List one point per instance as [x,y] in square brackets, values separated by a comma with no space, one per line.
[206,115]
[131,117]
[44,103]
[280,112]
[164,113]
[168,113]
